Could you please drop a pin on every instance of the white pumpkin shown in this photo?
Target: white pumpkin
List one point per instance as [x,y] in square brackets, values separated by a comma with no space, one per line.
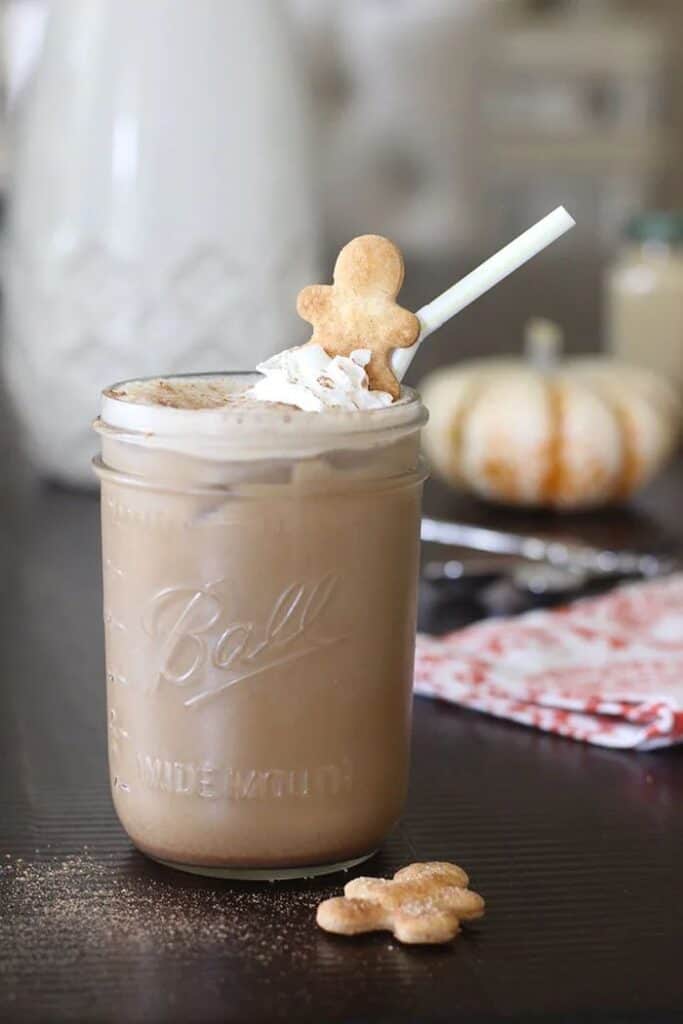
[542,433]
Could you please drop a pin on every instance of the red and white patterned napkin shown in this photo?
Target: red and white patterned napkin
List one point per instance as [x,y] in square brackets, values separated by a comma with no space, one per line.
[607,670]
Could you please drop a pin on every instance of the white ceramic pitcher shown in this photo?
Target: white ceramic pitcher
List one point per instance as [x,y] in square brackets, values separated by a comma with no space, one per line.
[161,218]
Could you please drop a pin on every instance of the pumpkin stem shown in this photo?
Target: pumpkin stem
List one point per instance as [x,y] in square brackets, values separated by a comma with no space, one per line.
[542,344]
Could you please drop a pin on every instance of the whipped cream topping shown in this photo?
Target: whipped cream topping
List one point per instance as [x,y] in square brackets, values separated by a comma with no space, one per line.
[309,379]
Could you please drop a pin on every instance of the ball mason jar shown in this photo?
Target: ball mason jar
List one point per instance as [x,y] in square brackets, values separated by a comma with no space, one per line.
[259,571]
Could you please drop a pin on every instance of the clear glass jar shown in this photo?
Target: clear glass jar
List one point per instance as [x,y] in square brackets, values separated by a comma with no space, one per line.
[645,296]
[259,603]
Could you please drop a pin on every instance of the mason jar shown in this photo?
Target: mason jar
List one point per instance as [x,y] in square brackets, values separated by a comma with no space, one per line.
[259,570]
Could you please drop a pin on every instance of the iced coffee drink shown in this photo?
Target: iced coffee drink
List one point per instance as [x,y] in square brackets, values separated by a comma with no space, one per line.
[260,568]
[260,552]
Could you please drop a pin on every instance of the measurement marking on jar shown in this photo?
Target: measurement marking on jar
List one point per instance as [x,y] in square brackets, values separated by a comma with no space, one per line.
[113,623]
[116,677]
[116,731]
[210,781]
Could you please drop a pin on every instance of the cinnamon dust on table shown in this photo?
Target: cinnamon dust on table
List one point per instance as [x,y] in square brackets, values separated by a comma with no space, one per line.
[57,909]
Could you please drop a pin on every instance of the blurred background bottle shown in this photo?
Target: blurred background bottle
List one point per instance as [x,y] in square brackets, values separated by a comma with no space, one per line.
[644,314]
[161,217]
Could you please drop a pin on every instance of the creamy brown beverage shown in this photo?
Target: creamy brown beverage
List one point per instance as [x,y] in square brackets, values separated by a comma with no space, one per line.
[260,567]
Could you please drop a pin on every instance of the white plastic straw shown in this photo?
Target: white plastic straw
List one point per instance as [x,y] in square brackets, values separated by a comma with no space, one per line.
[443,307]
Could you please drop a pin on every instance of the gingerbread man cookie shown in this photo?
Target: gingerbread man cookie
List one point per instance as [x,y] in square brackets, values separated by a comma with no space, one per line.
[422,903]
[360,310]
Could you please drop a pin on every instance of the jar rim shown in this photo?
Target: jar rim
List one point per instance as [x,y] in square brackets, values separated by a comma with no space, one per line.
[231,429]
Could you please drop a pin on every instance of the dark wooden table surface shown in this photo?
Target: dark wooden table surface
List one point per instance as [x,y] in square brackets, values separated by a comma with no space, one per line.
[578,851]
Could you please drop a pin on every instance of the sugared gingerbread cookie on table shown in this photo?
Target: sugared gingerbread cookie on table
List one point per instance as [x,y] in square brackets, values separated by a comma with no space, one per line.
[422,903]
[359,310]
